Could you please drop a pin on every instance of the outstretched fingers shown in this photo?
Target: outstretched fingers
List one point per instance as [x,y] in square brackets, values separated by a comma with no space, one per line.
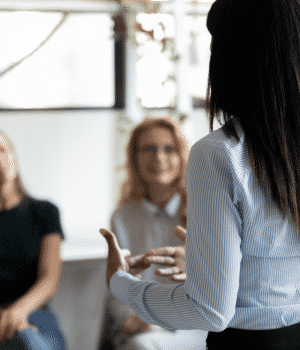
[168,271]
[160,260]
[162,251]
[179,277]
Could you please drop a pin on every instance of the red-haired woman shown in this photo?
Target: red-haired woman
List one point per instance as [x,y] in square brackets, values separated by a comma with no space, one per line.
[30,236]
[153,202]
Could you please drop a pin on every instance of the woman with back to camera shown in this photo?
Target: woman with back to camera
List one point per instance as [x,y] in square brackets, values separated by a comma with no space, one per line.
[243,192]
[152,203]
[30,237]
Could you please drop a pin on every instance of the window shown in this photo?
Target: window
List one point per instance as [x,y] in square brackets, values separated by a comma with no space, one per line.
[73,68]
[169,76]
[199,56]
[156,86]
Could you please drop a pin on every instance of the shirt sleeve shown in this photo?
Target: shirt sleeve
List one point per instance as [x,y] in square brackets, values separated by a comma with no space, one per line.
[207,299]
[50,220]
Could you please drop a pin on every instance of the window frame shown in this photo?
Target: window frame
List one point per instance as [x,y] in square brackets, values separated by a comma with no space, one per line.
[108,6]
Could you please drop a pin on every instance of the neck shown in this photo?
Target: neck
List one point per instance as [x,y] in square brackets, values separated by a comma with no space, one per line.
[161,194]
[9,197]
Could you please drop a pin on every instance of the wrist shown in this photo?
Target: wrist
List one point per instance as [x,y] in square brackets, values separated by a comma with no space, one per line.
[19,308]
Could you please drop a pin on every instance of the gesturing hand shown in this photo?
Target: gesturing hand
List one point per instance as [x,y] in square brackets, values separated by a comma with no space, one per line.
[119,259]
[137,264]
[116,257]
[170,256]
[12,320]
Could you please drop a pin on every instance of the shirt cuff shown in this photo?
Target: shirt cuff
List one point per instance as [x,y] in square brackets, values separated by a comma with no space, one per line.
[119,285]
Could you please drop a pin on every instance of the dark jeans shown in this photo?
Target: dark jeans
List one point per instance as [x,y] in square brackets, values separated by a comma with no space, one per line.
[286,338]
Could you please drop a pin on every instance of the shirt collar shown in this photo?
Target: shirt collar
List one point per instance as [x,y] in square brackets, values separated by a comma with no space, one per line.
[170,208]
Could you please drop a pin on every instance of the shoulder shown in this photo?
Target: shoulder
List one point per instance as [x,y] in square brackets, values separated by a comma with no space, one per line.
[217,147]
[46,215]
[217,141]
[43,206]
[44,210]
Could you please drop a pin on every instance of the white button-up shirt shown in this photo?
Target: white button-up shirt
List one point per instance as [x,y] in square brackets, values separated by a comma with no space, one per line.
[143,226]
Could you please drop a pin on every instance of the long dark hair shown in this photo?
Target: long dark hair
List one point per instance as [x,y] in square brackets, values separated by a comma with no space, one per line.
[254,76]
[134,187]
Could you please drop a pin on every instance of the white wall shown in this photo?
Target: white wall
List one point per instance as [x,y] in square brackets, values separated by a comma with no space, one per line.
[67,158]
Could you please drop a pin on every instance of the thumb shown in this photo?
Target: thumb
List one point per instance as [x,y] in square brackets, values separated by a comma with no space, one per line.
[180,233]
[111,240]
[115,259]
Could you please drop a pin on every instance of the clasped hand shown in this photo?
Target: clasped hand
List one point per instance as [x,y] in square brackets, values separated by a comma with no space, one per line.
[119,259]
[12,320]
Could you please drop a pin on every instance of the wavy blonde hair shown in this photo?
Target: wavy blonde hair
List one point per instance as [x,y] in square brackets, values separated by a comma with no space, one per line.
[20,189]
[135,187]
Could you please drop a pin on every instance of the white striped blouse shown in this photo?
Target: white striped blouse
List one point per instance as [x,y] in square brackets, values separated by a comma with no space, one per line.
[243,258]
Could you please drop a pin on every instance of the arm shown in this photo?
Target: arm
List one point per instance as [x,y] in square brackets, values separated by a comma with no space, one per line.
[207,299]
[15,316]
[49,269]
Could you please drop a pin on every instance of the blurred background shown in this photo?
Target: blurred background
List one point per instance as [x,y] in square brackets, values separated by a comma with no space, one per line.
[75,78]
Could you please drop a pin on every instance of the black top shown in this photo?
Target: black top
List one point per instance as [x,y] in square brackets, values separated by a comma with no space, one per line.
[21,230]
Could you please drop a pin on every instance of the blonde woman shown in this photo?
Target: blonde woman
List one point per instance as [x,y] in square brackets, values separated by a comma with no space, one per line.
[30,236]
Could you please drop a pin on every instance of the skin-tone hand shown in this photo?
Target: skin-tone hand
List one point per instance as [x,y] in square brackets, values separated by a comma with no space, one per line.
[137,264]
[119,260]
[11,321]
[170,256]
[116,257]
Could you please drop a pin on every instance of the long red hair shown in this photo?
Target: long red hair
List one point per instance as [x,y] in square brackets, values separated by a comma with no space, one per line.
[134,187]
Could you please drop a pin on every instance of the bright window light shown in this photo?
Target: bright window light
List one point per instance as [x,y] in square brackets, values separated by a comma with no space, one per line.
[155,86]
[74,68]
[199,51]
